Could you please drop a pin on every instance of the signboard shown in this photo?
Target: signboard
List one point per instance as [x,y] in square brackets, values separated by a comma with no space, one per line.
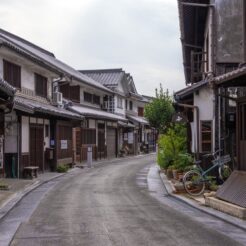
[52,142]
[63,144]
[130,137]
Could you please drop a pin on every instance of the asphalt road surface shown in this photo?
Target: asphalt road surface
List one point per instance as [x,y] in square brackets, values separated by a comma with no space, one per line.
[121,203]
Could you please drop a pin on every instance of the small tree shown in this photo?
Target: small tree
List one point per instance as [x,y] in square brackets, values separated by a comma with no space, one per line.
[173,149]
[159,111]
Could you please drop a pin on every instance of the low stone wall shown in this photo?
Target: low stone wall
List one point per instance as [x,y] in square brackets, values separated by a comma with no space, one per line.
[226,207]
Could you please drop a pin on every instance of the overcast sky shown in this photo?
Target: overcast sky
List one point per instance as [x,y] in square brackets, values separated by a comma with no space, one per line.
[140,36]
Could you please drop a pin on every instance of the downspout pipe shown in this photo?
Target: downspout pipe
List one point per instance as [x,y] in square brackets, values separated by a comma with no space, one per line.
[197,124]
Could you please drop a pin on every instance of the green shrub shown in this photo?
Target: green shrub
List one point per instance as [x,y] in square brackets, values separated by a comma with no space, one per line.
[183,161]
[62,169]
[173,149]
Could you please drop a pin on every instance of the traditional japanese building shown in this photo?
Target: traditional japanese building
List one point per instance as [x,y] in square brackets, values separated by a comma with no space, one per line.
[6,105]
[214,54]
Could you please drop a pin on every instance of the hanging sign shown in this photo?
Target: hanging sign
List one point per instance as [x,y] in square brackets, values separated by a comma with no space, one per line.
[63,144]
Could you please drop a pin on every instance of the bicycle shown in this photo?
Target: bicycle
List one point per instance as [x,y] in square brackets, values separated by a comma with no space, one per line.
[196,179]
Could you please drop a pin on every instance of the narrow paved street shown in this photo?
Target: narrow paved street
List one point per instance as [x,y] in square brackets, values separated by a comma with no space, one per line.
[121,203]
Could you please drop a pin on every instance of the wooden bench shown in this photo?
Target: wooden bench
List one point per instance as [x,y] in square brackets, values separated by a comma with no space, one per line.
[30,172]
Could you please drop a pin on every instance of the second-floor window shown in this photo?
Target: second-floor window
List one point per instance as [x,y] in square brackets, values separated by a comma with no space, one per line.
[126,104]
[130,105]
[119,102]
[140,111]
[88,97]
[12,73]
[40,85]
[96,99]
[71,92]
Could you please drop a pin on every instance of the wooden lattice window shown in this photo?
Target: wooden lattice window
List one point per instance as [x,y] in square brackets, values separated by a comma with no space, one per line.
[88,136]
[140,111]
[96,99]
[206,136]
[70,92]
[12,73]
[88,97]
[130,105]
[40,85]
[74,93]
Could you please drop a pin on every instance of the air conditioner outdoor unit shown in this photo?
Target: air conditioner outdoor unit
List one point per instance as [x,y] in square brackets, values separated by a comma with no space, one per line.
[57,97]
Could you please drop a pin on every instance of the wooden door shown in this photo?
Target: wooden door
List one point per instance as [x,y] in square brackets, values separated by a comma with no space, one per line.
[101,144]
[37,146]
[111,142]
[77,144]
[241,136]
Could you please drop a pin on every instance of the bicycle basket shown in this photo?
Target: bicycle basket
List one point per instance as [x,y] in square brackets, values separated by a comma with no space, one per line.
[222,160]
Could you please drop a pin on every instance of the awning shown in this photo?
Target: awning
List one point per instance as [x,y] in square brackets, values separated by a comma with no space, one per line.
[126,125]
[138,119]
[31,107]
[96,113]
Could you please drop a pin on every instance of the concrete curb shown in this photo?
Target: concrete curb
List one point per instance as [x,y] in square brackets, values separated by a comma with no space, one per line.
[210,211]
[13,202]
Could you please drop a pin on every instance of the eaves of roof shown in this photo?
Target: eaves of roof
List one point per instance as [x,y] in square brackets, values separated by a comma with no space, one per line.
[46,60]
[95,113]
[7,88]
[189,90]
[192,21]
[32,107]
[138,119]
[229,76]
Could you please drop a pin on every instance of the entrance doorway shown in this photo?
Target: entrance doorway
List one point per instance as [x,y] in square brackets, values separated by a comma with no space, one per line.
[241,136]
[37,146]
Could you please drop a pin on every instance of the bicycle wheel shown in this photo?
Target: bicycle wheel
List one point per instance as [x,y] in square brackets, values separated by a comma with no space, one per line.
[224,172]
[194,183]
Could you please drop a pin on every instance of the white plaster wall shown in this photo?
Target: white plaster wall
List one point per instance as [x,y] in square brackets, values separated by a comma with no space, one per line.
[92,91]
[27,79]
[135,106]
[28,69]
[92,123]
[205,102]
[47,139]
[120,88]
[25,134]
[119,110]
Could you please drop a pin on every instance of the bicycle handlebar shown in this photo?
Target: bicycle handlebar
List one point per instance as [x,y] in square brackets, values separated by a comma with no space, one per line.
[212,154]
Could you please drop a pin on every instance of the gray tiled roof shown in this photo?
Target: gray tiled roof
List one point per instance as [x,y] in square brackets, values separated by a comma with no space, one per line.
[31,106]
[107,77]
[7,88]
[138,119]
[96,113]
[189,90]
[230,75]
[112,77]
[45,57]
